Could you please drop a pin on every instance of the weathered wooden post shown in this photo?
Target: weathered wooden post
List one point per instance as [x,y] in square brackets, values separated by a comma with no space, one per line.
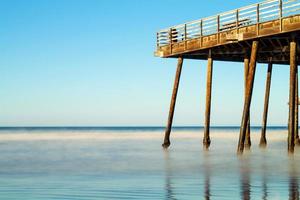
[247,103]
[167,143]
[297,140]
[291,134]
[246,72]
[206,139]
[263,140]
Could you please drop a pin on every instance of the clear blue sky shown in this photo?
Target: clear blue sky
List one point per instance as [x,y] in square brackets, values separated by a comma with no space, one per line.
[90,62]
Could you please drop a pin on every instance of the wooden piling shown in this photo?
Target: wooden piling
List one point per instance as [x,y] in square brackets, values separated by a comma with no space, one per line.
[246,72]
[291,132]
[297,140]
[250,81]
[167,142]
[263,140]
[206,138]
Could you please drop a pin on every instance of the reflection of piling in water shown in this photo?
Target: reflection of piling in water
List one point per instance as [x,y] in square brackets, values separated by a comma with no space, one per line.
[264,169]
[245,179]
[207,188]
[207,173]
[293,184]
[294,188]
[168,187]
[265,189]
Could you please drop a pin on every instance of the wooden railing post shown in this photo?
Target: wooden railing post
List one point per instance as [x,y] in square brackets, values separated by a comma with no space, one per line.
[280,15]
[201,28]
[171,40]
[218,23]
[201,32]
[157,39]
[280,9]
[237,18]
[257,13]
[185,37]
[237,21]
[257,19]
[218,28]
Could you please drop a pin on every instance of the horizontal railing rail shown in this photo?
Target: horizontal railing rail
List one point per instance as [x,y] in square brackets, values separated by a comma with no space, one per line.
[249,15]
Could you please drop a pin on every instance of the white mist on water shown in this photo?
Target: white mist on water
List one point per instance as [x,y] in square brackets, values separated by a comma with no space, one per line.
[132,165]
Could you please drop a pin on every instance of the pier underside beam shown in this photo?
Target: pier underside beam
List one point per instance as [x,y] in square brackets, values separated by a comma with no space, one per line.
[249,89]
[206,139]
[263,139]
[246,72]
[291,132]
[167,142]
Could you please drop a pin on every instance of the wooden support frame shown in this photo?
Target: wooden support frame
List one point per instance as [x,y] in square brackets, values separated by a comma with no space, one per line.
[263,139]
[167,142]
[206,138]
[291,131]
[247,103]
[246,72]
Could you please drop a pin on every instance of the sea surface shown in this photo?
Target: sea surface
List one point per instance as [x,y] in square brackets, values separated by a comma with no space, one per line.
[128,163]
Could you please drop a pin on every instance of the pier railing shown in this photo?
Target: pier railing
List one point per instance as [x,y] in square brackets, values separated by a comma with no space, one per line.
[249,15]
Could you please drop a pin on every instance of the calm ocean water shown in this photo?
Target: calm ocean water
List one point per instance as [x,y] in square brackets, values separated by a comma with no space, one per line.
[129,163]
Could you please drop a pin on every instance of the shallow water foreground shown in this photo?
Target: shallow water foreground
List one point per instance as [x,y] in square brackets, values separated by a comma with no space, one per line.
[130,164]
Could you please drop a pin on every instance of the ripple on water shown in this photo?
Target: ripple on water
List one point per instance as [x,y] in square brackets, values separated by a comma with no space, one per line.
[132,165]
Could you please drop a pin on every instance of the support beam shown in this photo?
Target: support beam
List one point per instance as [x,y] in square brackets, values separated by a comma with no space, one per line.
[206,139]
[167,142]
[263,140]
[291,133]
[247,103]
[246,72]
[297,140]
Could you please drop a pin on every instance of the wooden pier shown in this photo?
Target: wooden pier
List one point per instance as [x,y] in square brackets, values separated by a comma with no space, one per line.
[267,32]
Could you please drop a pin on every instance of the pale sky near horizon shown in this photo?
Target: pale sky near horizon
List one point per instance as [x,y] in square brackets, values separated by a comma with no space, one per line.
[91,63]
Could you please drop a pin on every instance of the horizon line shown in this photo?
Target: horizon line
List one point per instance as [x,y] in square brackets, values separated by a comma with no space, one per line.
[137,126]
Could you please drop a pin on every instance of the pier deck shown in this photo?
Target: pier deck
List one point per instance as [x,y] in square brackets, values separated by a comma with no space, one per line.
[229,35]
